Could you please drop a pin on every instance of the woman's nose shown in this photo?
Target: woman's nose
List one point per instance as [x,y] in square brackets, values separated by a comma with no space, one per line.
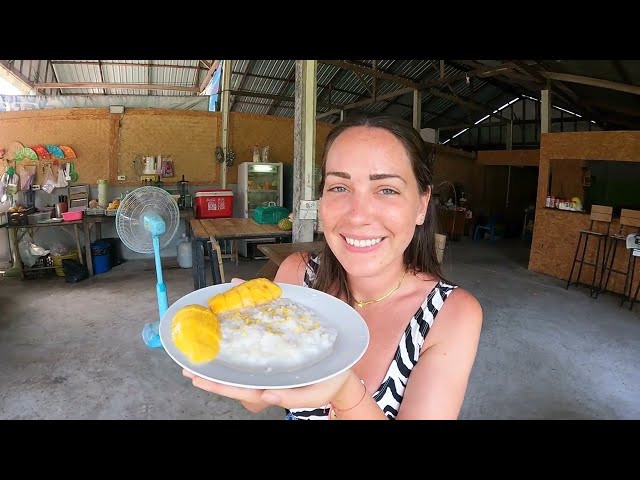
[361,207]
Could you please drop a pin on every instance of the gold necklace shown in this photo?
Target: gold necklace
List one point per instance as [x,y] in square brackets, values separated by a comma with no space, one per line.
[369,302]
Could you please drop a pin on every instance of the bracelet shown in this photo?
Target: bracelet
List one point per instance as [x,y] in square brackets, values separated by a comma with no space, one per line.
[334,409]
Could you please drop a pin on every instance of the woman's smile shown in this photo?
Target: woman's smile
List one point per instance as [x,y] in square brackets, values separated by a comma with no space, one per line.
[361,244]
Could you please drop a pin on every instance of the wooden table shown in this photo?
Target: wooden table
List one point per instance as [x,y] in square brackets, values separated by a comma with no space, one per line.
[30,229]
[452,223]
[206,232]
[277,252]
[96,221]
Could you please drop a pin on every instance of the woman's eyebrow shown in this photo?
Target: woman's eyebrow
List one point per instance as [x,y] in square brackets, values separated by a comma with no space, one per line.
[340,174]
[382,176]
[375,176]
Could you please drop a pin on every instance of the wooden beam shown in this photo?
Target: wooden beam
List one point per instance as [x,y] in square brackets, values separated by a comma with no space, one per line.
[594,82]
[482,72]
[281,98]
[362,103]
[621,71]
[373,72]
[16,73]
[362,80]
[209,75]
[130,86]
[125,64]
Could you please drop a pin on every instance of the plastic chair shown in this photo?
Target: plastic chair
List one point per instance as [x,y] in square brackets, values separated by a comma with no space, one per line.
[489,227]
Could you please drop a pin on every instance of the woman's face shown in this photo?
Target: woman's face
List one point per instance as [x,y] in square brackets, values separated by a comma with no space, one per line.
[370,204]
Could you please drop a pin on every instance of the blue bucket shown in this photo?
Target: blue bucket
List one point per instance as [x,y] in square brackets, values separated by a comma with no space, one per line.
[101,264]
[101,257]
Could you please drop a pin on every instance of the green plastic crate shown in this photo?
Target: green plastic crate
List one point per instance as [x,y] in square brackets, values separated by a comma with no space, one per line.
[269,214]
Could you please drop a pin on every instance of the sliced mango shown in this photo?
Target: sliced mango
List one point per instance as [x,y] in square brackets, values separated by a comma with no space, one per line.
[247,294]
[195,331]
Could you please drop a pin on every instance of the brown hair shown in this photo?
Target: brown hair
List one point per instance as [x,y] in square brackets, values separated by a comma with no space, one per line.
[420,255]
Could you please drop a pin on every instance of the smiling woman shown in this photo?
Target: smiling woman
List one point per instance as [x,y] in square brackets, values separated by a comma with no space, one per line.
[380,258]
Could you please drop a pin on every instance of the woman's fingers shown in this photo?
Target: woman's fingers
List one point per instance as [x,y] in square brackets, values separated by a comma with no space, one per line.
[237,280]
[315,395]
[243,394]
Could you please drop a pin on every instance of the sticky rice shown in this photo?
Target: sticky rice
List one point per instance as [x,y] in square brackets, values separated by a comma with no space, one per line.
[280,336]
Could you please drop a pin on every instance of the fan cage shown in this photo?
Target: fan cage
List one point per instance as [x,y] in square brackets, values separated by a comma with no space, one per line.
[130,222]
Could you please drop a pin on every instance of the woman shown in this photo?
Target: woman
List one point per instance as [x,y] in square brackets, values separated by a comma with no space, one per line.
[380,257]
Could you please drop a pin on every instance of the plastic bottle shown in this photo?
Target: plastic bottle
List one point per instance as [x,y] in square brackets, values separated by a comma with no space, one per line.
[185,259]
[103,191]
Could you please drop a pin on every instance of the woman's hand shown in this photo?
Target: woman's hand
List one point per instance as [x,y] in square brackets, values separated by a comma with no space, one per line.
[316,395]
[249,397]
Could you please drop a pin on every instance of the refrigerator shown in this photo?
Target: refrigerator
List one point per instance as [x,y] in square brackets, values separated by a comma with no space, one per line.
[258,184]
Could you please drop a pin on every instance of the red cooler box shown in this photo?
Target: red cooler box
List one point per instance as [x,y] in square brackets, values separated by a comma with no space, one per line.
[214,204]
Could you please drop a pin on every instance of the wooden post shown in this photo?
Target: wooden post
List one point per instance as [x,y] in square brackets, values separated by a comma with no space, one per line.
[417,110]
[304,141]
[225,86]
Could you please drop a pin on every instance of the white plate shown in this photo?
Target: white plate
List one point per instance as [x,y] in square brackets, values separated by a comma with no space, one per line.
[351,342]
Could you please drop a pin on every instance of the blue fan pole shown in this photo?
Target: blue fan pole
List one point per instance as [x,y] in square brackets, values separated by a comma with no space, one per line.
[151,331]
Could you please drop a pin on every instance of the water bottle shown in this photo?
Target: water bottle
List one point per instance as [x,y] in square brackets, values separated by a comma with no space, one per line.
[185,258]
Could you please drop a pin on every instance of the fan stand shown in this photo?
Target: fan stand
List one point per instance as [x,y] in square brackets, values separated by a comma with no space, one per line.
[153,213]
[151,331]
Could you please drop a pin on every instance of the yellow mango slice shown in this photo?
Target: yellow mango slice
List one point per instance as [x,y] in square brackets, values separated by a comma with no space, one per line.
[195,331]
[247,294]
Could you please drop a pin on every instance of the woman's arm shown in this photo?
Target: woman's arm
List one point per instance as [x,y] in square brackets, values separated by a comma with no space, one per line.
[292,269]
[438,382]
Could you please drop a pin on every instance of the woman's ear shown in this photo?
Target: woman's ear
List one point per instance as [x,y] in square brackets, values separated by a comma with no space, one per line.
[425,198]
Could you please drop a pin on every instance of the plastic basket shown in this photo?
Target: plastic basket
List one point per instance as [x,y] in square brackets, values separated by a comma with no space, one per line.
[40,269]
[57,261]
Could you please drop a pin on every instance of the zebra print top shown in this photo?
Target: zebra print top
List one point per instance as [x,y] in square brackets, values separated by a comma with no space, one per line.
[389,393]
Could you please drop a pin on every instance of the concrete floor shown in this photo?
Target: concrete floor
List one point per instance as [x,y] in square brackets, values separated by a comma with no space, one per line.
[74,351]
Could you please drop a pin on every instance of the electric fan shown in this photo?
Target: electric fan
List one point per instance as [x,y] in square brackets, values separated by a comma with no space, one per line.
[146,221]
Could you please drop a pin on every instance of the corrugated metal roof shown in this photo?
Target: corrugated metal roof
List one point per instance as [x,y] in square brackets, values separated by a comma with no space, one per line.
[347,82]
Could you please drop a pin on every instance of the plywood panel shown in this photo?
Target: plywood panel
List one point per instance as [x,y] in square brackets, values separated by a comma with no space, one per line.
[566,178]
[521,158]
[622,146]
[555,234]
[189,137]
[85,130]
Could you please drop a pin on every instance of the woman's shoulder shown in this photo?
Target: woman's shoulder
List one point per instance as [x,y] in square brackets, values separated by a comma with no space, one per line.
[461,314]
[293,268]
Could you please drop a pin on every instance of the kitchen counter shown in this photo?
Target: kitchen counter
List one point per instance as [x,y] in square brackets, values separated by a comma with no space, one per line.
[554,243]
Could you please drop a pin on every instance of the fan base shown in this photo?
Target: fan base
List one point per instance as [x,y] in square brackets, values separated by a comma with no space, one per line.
[151,335]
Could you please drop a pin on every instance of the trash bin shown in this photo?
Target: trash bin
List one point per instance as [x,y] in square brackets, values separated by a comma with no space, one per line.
[117,256]
[101,256]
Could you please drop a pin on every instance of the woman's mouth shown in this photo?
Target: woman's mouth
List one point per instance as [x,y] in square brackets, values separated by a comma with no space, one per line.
[362,244]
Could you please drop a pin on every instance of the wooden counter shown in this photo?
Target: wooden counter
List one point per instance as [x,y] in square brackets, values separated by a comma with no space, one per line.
[555,238]
[452,223]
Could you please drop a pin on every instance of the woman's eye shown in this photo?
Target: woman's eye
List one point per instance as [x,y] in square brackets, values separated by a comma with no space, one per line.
[389,191]
[337,189]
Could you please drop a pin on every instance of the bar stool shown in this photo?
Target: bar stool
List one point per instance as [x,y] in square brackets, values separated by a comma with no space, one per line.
[629,223]
[600,215]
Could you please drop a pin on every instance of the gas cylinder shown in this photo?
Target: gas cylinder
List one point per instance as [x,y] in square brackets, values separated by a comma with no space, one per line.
[185,258]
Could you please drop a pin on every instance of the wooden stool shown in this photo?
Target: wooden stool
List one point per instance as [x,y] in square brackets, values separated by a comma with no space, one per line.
[600,215]
[629,222]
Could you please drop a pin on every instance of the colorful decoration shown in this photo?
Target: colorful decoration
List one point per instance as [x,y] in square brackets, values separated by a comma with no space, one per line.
[55,151]
[68,151]
[25,152]
[42,152]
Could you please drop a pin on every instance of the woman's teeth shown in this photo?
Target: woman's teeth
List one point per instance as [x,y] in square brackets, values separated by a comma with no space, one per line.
[363,243]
